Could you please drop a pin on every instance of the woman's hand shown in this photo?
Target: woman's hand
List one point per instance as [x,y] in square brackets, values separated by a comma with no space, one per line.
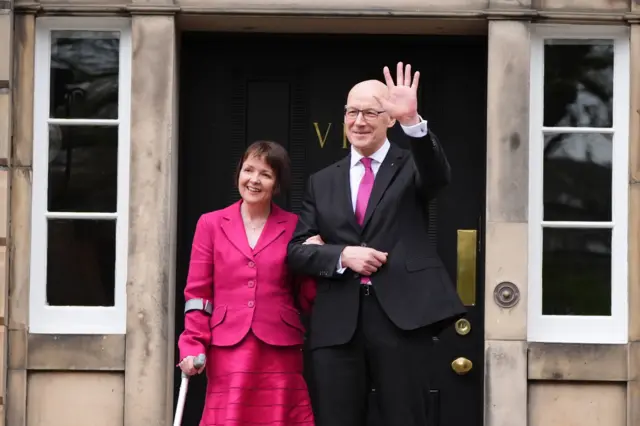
[316,239]
[186,365]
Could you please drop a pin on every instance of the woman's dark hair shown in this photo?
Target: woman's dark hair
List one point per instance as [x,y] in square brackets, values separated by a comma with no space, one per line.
[275,156]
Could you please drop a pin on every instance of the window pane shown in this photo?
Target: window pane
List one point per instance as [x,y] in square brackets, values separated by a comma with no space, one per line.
[83,168]
[81,262]
[577,177]
[578,83]
[576,272]
[84,74]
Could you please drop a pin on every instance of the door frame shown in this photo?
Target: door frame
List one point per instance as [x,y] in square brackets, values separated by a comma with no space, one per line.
[461,57]
[504,337]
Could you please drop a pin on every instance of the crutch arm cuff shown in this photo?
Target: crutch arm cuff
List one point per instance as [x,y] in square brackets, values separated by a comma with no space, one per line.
[198,305]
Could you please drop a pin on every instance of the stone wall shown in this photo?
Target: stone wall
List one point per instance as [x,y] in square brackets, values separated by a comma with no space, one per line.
[6,43]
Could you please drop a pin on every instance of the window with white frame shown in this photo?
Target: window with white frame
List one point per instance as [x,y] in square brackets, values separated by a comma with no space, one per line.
[80,192]
[578,184]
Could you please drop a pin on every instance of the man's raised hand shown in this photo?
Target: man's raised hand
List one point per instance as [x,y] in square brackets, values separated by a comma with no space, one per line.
[401,101]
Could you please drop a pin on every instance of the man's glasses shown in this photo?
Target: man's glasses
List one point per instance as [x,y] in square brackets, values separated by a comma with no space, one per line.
[368,114]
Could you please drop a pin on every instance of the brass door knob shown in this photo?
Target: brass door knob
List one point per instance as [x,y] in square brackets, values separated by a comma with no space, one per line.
[461,366]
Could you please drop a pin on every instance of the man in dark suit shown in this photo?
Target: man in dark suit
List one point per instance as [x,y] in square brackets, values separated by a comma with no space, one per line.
[382,290]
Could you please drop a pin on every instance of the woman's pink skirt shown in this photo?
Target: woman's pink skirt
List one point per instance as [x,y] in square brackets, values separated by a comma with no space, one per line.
[253,383]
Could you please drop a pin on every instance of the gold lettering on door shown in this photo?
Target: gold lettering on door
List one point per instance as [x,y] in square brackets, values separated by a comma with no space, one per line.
[321,139]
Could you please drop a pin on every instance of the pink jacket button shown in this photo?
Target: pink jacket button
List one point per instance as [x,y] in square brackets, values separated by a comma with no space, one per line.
[250,304]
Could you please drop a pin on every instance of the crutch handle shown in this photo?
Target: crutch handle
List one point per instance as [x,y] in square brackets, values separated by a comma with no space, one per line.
[198,363]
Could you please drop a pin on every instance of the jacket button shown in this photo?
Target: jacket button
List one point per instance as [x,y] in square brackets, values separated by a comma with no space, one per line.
[251,264]
[250,304]
[251,284]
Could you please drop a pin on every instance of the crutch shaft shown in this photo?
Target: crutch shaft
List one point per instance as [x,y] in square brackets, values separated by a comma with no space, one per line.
[198,363]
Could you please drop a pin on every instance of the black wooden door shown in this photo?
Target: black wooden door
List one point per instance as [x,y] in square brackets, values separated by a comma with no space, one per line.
[239,88]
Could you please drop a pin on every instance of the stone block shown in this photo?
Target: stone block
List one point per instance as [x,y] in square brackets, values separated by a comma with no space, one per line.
[578,362]
[508,122]
[505,383]
[21,180]
[4,290]
[585,5]
[4,205]
[75,399]
[15,404]
[510,4]
[3,365]
[6,25]
[24,42]
[506,259]
[5,127]
[577,404]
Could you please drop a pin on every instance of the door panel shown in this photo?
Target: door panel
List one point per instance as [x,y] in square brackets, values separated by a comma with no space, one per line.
[236,89]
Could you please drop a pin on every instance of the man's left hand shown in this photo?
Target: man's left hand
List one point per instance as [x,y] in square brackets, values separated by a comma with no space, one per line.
[402,100]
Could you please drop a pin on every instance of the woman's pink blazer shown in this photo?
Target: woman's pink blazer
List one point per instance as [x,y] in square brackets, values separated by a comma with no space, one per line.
[250,289]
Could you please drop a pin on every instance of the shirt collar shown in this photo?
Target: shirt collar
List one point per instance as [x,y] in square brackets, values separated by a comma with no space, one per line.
[378,156]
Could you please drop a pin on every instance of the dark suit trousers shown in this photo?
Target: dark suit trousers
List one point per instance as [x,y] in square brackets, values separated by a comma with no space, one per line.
[394,362]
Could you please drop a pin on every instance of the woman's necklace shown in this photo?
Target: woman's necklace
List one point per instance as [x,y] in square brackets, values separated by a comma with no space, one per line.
[253,226]
[253,230]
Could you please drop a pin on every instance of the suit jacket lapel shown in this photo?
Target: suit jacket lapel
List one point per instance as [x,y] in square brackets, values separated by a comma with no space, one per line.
[343,191]
[233,228]
[388,169]
[274,227]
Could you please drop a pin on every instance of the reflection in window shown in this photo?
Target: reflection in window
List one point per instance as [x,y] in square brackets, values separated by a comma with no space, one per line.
[578,83]
[576,272]
[84,74]
[577,177]
[83,168]
[81,262]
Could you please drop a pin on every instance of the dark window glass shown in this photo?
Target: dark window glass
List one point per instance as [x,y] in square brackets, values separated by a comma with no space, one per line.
[84,74]
[81,262]
[576,272]
[83,169]
[577,177]
[578,83]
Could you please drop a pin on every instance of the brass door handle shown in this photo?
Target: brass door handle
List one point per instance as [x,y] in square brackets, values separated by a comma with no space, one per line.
[461,366]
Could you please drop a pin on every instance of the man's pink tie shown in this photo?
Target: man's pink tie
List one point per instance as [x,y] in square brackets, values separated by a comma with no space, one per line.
[364,192]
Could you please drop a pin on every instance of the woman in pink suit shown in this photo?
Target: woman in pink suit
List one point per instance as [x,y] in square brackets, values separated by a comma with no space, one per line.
[240,307]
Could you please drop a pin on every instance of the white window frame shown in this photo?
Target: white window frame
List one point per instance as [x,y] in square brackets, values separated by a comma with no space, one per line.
[77,319]
[580,329]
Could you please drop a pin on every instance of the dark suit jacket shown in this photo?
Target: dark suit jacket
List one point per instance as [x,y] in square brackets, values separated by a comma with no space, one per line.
[413,287]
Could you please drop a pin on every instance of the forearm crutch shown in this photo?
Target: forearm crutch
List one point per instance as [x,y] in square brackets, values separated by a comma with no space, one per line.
[198,363]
